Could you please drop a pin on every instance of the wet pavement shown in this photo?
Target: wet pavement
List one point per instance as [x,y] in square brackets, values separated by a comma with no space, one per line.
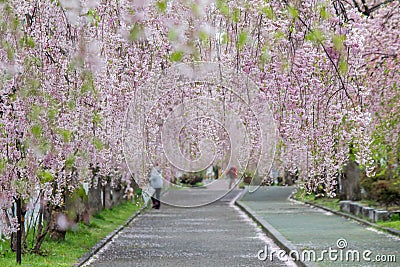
[218,234]
[312,229]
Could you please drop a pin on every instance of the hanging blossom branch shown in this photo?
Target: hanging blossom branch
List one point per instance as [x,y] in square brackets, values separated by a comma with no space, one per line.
[366,10]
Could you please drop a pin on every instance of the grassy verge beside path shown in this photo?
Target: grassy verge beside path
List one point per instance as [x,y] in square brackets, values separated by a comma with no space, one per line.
[333,204]
[390,224]
[76,243]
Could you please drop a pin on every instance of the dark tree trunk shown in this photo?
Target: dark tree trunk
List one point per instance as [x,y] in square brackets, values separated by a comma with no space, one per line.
[289,178]
[19,232]
[95,201]
[350,187]
[104,196]
[41,233]
[57,232]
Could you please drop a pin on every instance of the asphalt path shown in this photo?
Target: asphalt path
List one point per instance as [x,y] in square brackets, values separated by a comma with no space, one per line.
[218,234]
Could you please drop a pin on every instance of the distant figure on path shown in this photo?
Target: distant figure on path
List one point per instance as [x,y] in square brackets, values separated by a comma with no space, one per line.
[156,181]
[232,175]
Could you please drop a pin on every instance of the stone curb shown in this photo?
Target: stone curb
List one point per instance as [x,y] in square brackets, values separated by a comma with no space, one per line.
[108,238]
[349,216]
[270,230]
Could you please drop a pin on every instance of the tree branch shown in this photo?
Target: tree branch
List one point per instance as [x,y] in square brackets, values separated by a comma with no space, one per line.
[367,11]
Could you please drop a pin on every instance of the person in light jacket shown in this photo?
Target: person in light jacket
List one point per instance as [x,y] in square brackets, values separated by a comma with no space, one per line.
[232,175]
[156,181]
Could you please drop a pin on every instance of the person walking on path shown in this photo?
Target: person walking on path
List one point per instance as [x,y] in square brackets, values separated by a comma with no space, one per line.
[232,175]
[156,181]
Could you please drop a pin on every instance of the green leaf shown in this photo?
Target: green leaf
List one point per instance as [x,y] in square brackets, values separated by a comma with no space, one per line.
[172,35]
[338,41]
[52,113]
[69,162]
[72,104]
[268,11]
[27,41]
[162,6]
[352,152]
[33,86]
[13,97]
[30,42]
[136,33]
[324,13]
[319,35]
[195,9]
[35,112]
[224,38]
[176,56]
[44,146]
[3,129]
[81,192]
[93,17]
[3,164]
[8,9]
[315,36]
[98,144]
[343,67]
[265,55]
[88,84]
[223,7]
[293,12]
[242,39]
[96,119]
[45,176]
[236,15]
[36,130]
[9,50]
[203,36]
[279,35]
[32,61]
[65,134]
[14,23]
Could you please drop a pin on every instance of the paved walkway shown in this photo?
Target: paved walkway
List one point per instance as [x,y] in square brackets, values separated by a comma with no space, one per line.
[309,229]
[219,234]
[196,196]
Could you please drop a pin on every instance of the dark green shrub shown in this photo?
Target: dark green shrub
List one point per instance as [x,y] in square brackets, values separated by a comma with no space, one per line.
[395,217]
[368,183]
[191,179]
[386,192]
[384,187]
[247,177]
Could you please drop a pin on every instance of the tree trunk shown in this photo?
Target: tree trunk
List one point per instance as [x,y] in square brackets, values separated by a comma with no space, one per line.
[58,226]
[350,187]
[19,232]
[41,234]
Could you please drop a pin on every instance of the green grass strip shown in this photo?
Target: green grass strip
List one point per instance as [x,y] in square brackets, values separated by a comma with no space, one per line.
[76,243]
[333,204]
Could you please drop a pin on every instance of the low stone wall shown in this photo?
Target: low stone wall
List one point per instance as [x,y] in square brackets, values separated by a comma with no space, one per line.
[364,212]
